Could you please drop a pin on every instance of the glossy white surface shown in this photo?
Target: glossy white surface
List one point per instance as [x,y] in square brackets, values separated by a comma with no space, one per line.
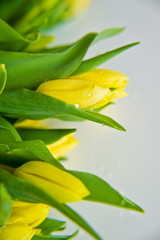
[130,161]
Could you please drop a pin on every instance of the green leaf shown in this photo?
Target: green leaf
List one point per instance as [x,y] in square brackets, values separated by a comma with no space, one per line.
[24,191]
[38,16]
[101,36]
[10,8]
[3,77]
[33,105]
[40,67]
[20,152]
[107,33]
[36,237]
[110,122]
[50,225]
[48,136]
[4,148]
[8,132]
[92,63]
[78,119]
[5,205]
[102,192]
[10,40]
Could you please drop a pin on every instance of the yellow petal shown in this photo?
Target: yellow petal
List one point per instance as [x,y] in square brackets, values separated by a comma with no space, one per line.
[103,77]
[28,213]
[17,232]
[81,93]
[59,184]
[62,146]
[28,123]
[119,94]
[110,97]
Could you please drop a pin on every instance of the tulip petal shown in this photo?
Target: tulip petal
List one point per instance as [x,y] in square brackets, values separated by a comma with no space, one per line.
[28,123]
[17,231]
[62,146]
[103,77]
[110,97]
[59,184]
[28,213]
[78,92]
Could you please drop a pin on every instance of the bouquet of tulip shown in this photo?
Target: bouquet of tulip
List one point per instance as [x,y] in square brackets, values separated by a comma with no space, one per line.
[37,83]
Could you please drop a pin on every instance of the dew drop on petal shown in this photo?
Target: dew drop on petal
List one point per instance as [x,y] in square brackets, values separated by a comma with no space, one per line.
[77,105]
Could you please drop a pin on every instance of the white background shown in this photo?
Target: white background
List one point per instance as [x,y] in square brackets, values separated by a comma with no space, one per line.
[130,161]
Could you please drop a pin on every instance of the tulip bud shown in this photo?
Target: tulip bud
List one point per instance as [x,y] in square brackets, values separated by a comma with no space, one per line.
[57,183]
[89,90]
[17,231]
[28,213]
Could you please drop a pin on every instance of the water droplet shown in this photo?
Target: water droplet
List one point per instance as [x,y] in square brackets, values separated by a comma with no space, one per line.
[90,94]
[77,105]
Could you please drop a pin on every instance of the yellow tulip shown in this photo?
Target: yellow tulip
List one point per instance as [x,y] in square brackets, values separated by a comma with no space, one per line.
[59,184]
[89,90]
[23,219]
[62,146]
[17,231]
[28,213]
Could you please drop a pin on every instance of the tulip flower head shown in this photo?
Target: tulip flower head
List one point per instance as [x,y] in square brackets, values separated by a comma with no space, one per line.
[24,218]
[17,231]
[57,183]
[28,213]
[90,90]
